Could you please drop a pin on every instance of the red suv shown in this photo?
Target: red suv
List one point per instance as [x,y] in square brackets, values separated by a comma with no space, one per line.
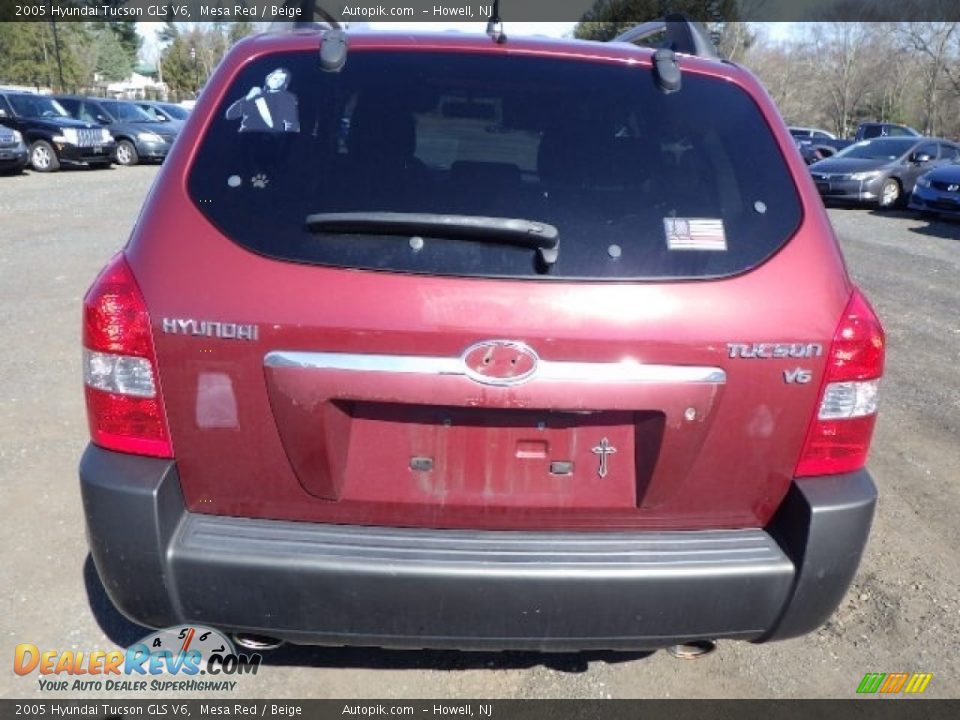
[451,341]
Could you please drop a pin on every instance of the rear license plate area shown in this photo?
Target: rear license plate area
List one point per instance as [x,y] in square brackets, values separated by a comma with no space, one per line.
[457,456]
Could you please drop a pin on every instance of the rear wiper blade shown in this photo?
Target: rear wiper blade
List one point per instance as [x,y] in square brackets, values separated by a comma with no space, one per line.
[543,238]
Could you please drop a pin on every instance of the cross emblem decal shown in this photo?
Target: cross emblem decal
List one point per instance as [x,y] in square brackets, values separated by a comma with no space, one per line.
[603,450]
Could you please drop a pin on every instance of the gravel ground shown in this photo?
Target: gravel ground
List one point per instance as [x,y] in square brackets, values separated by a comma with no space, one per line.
[903,613]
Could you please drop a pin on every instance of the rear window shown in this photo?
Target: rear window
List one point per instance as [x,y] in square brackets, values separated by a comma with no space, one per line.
[638,184]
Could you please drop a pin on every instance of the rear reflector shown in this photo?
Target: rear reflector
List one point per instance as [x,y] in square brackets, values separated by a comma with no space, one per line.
[839,436]
[849,399]
[124,408]
[119,374]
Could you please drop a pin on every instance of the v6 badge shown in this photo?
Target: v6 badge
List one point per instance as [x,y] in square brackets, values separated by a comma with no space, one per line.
[797,375]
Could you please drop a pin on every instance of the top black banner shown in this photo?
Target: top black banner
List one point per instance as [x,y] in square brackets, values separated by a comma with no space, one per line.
[447,11]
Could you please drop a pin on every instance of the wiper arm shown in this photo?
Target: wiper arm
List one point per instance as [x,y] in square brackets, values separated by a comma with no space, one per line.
[537,236]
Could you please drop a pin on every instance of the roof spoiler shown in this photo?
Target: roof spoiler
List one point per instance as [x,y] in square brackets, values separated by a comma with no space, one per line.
[683,35]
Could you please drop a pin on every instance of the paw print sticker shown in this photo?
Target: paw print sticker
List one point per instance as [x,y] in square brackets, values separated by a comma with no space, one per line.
[259,181]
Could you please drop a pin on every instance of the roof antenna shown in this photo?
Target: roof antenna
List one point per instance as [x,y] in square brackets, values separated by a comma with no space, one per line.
[495,25]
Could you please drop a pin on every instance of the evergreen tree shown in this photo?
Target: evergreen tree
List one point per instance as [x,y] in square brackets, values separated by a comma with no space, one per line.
[239,30]
[114,61]
[30,58]
[129,39]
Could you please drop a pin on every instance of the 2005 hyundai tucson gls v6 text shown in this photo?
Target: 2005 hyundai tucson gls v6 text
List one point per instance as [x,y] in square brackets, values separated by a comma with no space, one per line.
[440,341]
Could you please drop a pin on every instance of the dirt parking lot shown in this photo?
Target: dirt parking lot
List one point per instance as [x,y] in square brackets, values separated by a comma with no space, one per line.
[903,613]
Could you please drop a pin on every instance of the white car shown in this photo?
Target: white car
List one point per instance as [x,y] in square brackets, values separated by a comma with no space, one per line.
[810,135]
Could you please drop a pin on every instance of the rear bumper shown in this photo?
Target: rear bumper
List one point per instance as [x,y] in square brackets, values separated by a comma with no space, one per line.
[391,587]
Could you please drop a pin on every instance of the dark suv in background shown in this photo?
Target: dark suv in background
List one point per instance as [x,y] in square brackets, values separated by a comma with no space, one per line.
[52,135]
[473,342]
[139,137]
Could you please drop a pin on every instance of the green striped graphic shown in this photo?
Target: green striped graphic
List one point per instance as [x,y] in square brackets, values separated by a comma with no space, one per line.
[894,683]
[871,682]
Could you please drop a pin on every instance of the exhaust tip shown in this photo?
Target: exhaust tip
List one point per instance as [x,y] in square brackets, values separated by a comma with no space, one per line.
[693,650]
[258,643]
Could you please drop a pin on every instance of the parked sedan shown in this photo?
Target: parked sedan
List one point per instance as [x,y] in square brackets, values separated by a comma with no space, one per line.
[880,171]
[938,192]
[13,153]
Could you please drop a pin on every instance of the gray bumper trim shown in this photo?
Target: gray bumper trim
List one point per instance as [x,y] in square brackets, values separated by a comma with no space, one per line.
[331,584]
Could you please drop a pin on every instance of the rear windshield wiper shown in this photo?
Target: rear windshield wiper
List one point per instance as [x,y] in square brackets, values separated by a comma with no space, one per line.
[537,236]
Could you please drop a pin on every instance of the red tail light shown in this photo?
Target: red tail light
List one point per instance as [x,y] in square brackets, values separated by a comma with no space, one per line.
[839,436]
[124,407]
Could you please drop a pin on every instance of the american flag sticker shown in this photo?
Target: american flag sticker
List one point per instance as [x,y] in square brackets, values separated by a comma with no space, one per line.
[694,234]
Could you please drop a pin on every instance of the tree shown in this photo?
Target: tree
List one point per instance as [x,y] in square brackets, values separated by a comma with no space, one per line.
[113,60]
[168,34]
[192,51]
[786,72]
[239,30]
[735,39]
[179,71]
[127,36]
[842,49]
[608,18]
[29,56]
[937,45]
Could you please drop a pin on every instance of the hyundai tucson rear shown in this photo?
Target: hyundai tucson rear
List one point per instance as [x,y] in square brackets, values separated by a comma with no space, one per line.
[457,343]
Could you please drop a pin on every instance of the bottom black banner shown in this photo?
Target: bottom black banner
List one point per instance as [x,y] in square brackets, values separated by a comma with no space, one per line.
[866,709]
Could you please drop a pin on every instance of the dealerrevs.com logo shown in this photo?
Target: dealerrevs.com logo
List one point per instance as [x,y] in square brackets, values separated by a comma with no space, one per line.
[184,658]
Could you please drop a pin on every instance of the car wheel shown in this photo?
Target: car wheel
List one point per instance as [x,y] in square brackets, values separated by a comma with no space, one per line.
[890,194]
[127,153]
[43,158]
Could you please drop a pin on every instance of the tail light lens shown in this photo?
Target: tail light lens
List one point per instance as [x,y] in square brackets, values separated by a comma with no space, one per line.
[839,436]
[124,407]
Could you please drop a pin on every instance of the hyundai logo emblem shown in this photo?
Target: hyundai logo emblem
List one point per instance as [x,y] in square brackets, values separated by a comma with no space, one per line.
[500,362]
